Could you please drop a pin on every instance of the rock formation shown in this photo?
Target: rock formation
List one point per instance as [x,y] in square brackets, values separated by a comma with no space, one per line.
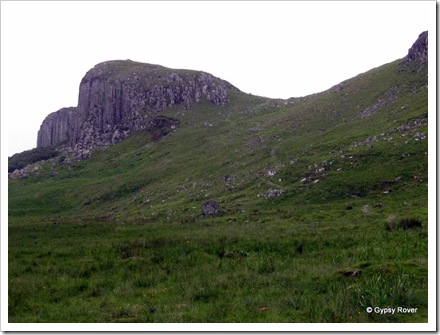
[56,128]
[117,98]
[419,50]
[210,207]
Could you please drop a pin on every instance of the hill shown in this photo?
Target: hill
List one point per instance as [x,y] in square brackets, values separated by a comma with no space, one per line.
[117,98]
[318,204]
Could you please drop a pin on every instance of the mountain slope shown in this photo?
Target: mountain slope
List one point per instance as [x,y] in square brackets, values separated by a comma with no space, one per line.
[379,117]
[308,188]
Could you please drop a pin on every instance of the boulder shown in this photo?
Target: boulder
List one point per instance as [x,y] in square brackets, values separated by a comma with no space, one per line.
[210,207]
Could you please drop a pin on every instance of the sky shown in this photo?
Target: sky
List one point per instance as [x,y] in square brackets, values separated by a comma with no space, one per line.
[267,48]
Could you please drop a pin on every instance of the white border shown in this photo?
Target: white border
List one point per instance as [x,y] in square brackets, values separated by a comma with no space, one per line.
[432,247]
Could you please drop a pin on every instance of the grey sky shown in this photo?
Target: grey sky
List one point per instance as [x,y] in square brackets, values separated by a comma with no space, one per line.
[274,49]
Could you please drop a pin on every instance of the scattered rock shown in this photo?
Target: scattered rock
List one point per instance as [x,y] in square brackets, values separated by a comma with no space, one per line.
[419,136]
[389,96]
[228,178]
[271,194]
[293,161]
[18,174]
[210,207]
[365,209]
[320,170]
[270,173]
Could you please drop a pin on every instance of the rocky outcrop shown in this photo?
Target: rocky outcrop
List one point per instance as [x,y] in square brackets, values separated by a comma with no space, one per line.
[117,98]
[210,207]
[56,128]
[419,50]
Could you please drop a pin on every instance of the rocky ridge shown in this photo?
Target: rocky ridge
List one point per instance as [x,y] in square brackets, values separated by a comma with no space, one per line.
[419,50]
[117,98]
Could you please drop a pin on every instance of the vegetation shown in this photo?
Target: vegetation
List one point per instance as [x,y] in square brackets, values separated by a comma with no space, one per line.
[119,237]
[406,223]
[22,159]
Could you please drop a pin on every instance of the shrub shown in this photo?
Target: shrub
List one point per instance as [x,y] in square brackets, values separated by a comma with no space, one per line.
[23,159]
[405,223]
[410,223]
[130,249]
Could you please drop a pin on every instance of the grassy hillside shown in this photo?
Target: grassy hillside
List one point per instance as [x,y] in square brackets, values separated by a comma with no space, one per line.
[323,214]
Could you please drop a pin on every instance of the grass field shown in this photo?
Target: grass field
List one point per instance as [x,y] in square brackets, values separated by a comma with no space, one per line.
[324,213]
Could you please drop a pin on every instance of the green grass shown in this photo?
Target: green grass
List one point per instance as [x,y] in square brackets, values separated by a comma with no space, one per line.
[119,237]
[213,270]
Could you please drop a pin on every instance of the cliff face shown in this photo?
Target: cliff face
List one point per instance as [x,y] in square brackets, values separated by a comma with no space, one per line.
[56,128]
[119,97]
[419,50]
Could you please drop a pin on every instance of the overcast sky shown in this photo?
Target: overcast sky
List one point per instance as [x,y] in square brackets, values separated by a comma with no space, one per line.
[273,49]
